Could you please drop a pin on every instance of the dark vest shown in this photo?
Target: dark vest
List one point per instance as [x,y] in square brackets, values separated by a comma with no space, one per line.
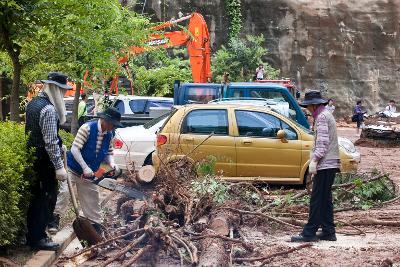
[32,126]
[88,150]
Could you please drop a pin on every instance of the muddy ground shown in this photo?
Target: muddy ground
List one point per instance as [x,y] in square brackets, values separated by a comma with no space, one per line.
[379,247]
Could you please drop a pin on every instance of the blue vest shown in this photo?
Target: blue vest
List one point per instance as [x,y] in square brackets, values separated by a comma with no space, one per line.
[88,151]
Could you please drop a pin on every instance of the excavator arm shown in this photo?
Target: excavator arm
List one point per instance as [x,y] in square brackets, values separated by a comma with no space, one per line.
[196,37]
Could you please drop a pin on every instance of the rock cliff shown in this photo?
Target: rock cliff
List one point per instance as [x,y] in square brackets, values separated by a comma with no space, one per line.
[348,49]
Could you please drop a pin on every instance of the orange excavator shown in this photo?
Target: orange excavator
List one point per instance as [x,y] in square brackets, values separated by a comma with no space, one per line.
[195,37]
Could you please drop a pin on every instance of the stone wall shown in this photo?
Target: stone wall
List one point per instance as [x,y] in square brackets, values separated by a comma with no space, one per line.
[349,49]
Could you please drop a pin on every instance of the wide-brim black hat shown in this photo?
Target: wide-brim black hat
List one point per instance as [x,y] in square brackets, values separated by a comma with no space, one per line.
[313,98]
[58,79]
[111,115]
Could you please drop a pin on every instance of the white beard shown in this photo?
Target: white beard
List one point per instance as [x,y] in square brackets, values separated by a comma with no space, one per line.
[56,97]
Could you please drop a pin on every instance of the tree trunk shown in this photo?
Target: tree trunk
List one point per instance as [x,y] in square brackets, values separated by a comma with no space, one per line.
[14,97]
[74,120]
[213,249]
[2,88]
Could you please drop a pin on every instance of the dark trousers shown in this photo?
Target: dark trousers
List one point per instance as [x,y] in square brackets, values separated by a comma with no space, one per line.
[81,121]
[43,197]
[321,206]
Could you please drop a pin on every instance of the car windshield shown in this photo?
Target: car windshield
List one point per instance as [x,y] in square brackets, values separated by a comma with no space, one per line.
[201,95]
[153,122]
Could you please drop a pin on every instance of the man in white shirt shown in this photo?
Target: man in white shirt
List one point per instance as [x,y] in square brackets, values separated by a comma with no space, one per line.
[390,109]
[92,147]
[260,72]
[330,106]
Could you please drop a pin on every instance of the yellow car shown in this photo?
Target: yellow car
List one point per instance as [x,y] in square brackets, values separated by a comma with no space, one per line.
[250,143]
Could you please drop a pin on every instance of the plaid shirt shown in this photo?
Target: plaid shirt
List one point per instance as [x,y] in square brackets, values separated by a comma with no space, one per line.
[48,121]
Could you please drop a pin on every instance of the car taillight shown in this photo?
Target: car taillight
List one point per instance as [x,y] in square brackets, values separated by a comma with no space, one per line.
[161,139]
[118,144]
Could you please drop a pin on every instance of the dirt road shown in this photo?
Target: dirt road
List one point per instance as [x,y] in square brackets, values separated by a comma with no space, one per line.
[379,247]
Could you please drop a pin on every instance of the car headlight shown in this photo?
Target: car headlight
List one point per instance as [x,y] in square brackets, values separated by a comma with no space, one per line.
[347,145]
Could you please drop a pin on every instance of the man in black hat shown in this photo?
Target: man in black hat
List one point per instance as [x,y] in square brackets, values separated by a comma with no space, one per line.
[324,164]
[44,114]
[92,147]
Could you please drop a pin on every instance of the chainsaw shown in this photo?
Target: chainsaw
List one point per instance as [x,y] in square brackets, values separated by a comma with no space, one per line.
[108,180]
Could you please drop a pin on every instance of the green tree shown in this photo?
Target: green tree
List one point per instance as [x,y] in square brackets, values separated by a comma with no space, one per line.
[155,71]
[240,58]
[66,35]
[91,38]
[19,22]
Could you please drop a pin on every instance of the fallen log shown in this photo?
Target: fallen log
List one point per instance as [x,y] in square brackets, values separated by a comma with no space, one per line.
[146,174]
[228,239]
[213,248]
[106,242]
[136,256]
[271,218]
[124,251]
[267,258]
[213,252]
[374,222]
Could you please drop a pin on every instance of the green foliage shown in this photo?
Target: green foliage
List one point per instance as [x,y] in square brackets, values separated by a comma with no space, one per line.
[234,11]
[207,167]
[156,71]
[207,185]
[89,35]
[69,36]
[15,174]
[240,59]
[362,192]
[67,138]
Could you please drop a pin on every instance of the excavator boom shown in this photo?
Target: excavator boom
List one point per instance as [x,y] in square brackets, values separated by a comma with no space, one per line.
[196,37]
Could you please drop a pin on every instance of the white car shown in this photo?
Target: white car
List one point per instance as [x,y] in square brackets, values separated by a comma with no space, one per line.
[136,144]
[129,105]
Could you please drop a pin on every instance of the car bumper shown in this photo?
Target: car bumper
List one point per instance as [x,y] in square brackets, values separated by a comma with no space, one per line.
[124,159]
[350,164]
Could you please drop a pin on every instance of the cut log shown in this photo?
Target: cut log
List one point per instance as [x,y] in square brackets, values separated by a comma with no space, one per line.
[146,174]
[213,252]
[213,249]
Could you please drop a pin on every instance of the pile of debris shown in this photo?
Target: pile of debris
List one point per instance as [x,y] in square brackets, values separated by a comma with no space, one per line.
[193,217]
[383,131]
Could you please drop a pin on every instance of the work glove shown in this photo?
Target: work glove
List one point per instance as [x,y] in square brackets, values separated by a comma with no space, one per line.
[61,174]
[87,172]
[114,167]
[112,164]
[312,168]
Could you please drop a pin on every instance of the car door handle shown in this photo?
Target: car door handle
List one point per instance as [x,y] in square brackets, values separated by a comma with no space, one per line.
[188,138]
[247,142]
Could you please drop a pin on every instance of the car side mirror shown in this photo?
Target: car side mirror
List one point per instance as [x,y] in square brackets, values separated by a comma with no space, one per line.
[281,134]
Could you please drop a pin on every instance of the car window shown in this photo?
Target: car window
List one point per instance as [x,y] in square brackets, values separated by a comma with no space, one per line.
[158,103]
[119,105]
[277,96]
[138,105]
[153,122]
[90,105]
[206,121]
[262,93]
[259,124]
[291,133]
[201,95]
